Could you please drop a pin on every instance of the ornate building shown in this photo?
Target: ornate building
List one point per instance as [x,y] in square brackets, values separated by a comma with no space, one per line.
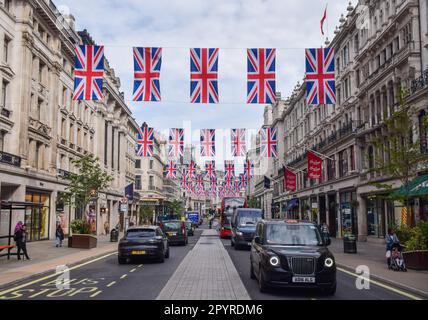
[42,129]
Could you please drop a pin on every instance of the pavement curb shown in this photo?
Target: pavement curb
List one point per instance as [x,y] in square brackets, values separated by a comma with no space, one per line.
[45,272]
[383,280]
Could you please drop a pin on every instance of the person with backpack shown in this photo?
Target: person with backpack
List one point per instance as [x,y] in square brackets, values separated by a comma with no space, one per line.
[20,237]
[59,234]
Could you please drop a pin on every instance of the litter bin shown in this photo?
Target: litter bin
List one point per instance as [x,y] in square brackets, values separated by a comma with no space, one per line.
[350,244]
[114,236]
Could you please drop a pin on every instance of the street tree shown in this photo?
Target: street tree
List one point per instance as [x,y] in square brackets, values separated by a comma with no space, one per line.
[175,207]
[402,150]
[146,214]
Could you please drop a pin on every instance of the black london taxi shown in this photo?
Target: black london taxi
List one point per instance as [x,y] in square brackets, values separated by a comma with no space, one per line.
[175,231]
[292,254]
[143,242]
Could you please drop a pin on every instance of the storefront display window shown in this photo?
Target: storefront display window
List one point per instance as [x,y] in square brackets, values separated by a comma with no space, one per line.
[348,213]
[376,217]
[37,218]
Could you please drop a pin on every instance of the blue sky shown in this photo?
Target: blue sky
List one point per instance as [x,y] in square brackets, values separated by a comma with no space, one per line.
[231,25]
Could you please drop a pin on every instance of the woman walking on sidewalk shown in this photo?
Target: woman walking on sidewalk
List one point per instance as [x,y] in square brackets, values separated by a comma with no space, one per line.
[20,238]
[59,234]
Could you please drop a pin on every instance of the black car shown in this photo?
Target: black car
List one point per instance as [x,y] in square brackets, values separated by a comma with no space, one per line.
[175,231]
[143,242]
[292,254]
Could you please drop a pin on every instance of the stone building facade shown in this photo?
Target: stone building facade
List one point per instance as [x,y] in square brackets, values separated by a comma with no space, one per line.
[42,129]
[374,60]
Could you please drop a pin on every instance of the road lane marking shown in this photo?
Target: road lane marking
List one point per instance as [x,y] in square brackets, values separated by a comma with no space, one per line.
[124,276]
[133,270]
[53,275]
[111,284]
[95,294]
[140,266]
[379,284]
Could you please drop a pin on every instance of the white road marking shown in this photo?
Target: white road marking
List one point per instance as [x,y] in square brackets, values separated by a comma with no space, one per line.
[95,294]
[379,284]
[54,274]
[111,284]
[124,276]
[133,270]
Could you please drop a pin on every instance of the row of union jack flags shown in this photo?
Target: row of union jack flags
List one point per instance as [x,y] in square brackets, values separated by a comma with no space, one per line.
[145,142]
[204,87]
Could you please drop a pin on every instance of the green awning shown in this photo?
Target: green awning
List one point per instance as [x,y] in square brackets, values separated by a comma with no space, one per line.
[417,187]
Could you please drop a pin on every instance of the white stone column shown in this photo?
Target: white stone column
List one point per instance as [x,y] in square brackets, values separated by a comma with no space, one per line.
[362,218]
[338,216]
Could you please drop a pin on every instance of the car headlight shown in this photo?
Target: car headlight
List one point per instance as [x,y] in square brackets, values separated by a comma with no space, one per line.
[274,261]
[239,233]
[329,262]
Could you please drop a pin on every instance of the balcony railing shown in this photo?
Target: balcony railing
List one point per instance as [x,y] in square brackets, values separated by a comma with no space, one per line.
[10,159]
[63,173]
[420,83]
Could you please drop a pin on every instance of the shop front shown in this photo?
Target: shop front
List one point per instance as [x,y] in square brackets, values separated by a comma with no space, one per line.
[348,213]
[37,217]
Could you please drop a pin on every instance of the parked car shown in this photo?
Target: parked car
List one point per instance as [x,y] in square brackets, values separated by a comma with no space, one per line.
[292,254]
[244,226]
[190,228]
[143,242]
[175,231]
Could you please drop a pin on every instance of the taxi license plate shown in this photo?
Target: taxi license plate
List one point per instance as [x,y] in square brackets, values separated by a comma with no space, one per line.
[304,279]
[172,234]
[138,252]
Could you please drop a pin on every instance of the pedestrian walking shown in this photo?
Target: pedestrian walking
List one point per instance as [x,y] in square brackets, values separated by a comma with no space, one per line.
[59,235]
[325,230]
[20,237]
[107,228]
[391,240]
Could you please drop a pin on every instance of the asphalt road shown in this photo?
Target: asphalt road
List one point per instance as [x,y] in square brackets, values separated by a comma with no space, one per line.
[346,288]
[105,279]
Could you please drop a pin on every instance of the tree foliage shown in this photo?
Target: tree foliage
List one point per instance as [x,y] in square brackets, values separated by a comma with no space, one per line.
[175,207]
[146,213]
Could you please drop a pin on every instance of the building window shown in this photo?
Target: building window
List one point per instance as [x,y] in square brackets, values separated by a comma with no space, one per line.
[138,182]
[6,46]
[352,158]
[423,132]
[331,168]
[4,90]
[39,109]
[151,165]
[2,134]
[138,164]
[151,183]
[371,157]
[8,5]
[343,163]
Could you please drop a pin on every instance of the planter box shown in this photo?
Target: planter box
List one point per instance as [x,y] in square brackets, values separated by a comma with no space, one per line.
[417,260]
[82,241]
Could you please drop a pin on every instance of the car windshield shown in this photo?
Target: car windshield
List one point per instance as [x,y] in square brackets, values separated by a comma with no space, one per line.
[140,233]
[172,226]
[249,218]
[293,235]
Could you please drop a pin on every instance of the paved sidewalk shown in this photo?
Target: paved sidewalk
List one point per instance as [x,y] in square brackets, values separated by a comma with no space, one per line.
[372,254]
[45,257]
[206,273]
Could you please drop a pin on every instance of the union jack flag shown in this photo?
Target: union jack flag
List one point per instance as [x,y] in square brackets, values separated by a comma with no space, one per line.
[88,73]
[210,170]
[176,143]
[229,169]
[191,170]
[208,142]
[249,169]
[243,181]
[237,185]
[145,141]
[261,76]
[184,180]
[320,76]
[171,170]
[213,184]
[239,148]
[204,75]
[269,142]
[200,181]
[228,183]
[147,67]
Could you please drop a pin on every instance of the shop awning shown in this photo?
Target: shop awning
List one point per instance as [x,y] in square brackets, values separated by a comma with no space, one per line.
[292,203]
[417,187]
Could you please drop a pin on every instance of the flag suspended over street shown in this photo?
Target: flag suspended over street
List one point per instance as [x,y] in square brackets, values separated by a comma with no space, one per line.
[88,73]
[323,19]
[147,67]
[237,139]
[191,170]
[269,142]
[184,180]
[249,169]
[204,75]
[145,141]
[229,169]
[320,76]
[261,86]
[208,142]
[210,170]
[243,181]
[176,143]
[314,166]
[171,169]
